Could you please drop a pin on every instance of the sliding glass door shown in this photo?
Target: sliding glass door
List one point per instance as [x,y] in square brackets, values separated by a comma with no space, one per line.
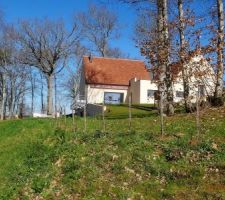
[113,98]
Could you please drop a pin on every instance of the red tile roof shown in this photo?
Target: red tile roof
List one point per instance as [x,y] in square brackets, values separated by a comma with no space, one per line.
[113,71]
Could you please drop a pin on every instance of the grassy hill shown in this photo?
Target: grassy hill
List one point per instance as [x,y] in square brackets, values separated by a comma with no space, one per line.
[46,159]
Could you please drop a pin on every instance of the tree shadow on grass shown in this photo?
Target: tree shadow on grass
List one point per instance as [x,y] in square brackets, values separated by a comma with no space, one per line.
[138,111]
[126,116]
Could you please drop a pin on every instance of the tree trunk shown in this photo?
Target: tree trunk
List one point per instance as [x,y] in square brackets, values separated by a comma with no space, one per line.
[73,116]
[21,108]
[161,66]
[163,57]
[42,95]
[169,83]
[12,98]
[32,93]
[11,103]
[187,102]
[3,97]
[49,96]
[220,46]
[55,96]
[32,101]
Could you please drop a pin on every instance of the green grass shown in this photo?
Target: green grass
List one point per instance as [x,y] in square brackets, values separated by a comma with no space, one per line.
[42,159]
[138,111]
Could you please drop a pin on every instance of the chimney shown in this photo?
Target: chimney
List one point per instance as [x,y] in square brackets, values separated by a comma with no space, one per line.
[90,58]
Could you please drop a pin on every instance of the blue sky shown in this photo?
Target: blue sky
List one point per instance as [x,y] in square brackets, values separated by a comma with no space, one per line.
[55,9]
[65,9]
[14,10]
[20,9]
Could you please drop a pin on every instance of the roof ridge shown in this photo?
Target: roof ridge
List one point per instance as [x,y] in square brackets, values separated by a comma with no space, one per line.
[136,60]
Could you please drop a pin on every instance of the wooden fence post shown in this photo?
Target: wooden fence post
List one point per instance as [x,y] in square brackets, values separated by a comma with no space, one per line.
[103,115]
[74,128]
[130,116]
[85,109]
[161,113]
[197,112]
[85,117]
[65,116]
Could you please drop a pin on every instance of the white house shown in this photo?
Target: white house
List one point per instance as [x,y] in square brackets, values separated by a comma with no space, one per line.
[108,79]
[111,80]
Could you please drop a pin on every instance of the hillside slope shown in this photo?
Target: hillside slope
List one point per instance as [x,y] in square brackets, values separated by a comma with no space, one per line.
[44,159]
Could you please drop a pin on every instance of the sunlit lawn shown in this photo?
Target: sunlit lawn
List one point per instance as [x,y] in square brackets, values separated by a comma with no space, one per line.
[49,159]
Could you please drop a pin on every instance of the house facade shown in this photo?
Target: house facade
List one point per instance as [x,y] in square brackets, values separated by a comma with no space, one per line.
[112,80]
[108,79]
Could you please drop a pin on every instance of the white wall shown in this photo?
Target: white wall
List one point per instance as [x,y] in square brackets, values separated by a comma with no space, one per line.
[139,88]
[177,86]
[145,86]
[96,95]
[134,89]
[199,72]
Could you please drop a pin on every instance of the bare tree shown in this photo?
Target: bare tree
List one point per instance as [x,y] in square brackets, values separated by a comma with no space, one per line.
[32,79]
[3,95]
[3,92]
[154,43]
[100,26]
[165,84]
[46,45]
[3,60]
[42,93]
[72,84]
[181,28]
[7,55]
[15,86]
[220,57]
[146,36]
[181,25]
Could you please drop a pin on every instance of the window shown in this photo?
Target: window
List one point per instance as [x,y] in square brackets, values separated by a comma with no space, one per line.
[113,98]
[151,93]
[179,94]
